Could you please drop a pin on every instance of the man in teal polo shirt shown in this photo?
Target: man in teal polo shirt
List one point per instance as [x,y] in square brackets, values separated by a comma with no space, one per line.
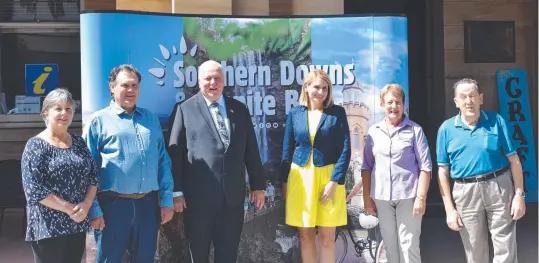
[475,148]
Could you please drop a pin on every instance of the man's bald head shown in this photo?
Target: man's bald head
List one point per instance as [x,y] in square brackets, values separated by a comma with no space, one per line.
[210,80]
[208,65]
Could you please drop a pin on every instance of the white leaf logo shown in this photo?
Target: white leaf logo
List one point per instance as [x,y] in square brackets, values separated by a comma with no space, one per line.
[160,72]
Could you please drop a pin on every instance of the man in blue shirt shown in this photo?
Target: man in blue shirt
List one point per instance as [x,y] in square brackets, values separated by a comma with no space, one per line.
[475,148]
[135,193]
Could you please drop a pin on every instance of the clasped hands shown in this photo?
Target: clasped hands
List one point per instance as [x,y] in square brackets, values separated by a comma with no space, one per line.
[77,212]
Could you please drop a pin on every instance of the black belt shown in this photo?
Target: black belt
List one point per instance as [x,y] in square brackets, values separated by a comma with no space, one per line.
[483,178]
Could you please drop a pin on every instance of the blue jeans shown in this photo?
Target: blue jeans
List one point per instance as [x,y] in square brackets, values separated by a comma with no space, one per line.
[129,224]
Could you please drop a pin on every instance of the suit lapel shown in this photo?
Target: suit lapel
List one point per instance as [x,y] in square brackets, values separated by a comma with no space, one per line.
[206,115]
[305,117]
[322,119]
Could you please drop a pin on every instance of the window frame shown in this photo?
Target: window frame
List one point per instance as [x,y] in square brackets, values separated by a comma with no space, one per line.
[75,16]
[15,121]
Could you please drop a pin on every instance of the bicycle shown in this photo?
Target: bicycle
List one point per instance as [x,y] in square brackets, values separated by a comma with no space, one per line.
[340,237]
[373,242]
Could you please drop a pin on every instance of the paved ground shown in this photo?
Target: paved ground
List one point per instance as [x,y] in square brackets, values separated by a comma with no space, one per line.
[438,243]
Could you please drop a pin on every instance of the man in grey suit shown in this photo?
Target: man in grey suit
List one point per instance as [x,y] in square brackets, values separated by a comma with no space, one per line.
[212,141]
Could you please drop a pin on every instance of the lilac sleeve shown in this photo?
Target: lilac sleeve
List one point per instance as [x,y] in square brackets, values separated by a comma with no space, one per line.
[368,156]
[422,152]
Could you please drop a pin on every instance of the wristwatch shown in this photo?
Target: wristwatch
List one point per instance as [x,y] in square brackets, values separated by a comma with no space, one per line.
[520,193]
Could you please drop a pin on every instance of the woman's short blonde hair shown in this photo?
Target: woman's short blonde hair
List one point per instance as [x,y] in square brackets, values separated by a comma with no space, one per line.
[309,79]
[395,89]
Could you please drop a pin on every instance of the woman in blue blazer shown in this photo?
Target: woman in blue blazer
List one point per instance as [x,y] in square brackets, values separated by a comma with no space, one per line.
[316,156]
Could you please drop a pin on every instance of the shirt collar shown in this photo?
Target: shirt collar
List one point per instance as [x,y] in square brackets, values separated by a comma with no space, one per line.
[405,121]
[119,110]
[459,123]
[220,101]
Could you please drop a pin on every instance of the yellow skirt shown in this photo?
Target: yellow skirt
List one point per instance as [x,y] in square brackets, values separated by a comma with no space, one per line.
[303,207]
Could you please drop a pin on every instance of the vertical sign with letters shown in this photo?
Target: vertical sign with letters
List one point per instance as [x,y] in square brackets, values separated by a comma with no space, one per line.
[514,102]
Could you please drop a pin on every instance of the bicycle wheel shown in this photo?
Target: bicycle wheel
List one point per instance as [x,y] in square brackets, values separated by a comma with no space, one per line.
[375,238]
[341,241]
[372,250]
[380,256]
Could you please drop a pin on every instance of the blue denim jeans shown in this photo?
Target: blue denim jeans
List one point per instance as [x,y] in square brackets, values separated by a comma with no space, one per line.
[130,225]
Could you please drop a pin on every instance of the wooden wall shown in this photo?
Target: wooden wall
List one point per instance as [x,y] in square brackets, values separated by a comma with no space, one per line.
[98,4]
[523,12]
[15,130]
[222,7]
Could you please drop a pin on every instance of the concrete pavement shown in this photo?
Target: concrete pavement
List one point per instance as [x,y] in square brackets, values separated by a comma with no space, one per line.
[439,244]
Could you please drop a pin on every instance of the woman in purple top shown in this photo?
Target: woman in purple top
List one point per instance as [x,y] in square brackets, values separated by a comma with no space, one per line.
[396,175]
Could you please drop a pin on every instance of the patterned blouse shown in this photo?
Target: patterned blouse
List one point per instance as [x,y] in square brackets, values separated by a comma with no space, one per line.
[67,173]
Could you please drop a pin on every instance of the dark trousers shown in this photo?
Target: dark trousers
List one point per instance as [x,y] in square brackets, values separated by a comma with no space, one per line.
[221,226]
[64,249]
[130,225]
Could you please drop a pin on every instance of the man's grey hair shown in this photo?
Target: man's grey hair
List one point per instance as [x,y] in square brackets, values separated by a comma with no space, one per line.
[466,81]
[55,97]
[209,63]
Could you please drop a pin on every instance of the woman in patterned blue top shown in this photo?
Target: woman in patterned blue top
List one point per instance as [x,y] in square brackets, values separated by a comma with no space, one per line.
[60,181]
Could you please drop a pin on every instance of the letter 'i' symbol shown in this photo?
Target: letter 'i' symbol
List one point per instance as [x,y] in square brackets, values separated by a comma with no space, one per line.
[38,83]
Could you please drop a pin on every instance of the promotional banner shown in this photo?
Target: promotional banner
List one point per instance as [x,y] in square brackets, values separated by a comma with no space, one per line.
[514,99]
[264,61]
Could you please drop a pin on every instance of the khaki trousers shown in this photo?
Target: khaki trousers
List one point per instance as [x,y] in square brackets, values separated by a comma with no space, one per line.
[400,230]
[486,206]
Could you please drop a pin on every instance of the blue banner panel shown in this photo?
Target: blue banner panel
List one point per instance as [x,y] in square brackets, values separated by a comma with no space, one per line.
[515,108]
[265,61]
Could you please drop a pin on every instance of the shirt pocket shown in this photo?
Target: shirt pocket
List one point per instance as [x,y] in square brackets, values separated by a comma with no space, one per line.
[404,141]
[491,141]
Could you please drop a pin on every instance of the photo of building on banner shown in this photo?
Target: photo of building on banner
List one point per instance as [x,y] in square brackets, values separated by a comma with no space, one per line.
[264,61]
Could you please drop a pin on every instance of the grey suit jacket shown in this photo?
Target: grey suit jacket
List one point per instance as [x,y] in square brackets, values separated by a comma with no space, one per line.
[203,170]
